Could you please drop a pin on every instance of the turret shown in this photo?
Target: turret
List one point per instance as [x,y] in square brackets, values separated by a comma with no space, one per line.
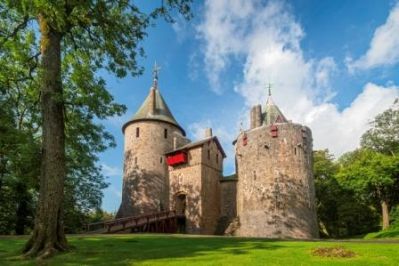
[275,189]
[150,133]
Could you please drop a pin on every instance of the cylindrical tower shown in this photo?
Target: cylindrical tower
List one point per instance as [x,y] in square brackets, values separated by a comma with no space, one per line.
[148,136]
[275,189]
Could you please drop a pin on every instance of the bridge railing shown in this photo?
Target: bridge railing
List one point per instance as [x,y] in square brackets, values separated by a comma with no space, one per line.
[128,222]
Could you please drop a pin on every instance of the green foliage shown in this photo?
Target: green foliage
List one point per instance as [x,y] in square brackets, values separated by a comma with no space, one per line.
[389,233]
[76,220]
[95,35]
[370,174]
[394,215]
[383,136]
[340,212]
[19,168]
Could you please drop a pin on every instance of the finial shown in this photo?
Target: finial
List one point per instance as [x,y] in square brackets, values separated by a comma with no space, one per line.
[155,73]
[269,86]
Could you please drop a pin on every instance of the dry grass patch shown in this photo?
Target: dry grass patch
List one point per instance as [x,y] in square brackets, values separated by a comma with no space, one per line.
[333,252]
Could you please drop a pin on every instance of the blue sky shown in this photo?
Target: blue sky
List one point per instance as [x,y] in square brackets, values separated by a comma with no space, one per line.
[333,64]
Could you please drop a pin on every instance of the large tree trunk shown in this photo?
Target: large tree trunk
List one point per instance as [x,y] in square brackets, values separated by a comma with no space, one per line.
[385,214]
[48,234]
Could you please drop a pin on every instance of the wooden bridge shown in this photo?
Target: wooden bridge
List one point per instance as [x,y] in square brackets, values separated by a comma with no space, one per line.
[160,222]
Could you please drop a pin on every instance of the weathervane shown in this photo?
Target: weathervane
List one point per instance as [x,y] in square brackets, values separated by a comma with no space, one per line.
[155,74]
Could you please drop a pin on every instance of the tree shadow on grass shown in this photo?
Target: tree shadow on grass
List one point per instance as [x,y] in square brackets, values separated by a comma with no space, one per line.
[132,249]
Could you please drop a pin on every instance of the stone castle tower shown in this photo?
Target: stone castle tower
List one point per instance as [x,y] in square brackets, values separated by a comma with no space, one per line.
[275,188]
[148,136]
[271,195]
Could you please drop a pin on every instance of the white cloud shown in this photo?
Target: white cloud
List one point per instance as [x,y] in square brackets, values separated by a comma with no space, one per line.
[340,131]
[110,170]
[181,28]
[268,38]
[384,47]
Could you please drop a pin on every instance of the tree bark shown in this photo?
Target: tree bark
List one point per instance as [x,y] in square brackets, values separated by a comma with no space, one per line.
[48,235]
[385,214]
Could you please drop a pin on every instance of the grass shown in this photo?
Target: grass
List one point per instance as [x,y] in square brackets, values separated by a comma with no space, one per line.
[389,233]
[197,250]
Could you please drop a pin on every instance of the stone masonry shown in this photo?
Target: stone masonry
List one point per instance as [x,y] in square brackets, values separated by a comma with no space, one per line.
[275,192]
[198,180]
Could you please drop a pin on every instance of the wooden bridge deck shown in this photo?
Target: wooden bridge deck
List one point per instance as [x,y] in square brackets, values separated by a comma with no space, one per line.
[160,222]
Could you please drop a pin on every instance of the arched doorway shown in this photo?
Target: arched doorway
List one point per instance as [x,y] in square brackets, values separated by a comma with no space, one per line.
[180,207]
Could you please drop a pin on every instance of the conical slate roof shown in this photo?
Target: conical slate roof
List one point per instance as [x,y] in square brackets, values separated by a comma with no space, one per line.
[272,113]
[155,108]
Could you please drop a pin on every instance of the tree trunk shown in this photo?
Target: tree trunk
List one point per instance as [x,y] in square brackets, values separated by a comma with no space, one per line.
[385,214]
[48,235]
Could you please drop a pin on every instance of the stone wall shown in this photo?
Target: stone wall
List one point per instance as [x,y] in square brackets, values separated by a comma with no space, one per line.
[228,198]
[186,179]
[199,181]
[211,173]
[275,190]
[145,175]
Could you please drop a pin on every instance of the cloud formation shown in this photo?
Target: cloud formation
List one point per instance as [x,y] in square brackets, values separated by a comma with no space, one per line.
[267,38]
[384,46]
[111,170]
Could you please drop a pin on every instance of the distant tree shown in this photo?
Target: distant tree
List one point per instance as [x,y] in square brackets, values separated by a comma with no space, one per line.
[19,164]
[372,175]
[340,212]
[92,35]
[394,215]
[383,136]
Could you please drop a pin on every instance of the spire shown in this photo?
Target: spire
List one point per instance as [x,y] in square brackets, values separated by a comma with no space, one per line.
[154,106]
[155,74]
[272,113]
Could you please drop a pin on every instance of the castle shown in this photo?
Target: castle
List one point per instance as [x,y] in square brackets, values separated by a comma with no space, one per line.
[271,195]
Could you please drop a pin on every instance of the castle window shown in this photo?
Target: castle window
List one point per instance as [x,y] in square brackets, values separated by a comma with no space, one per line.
[160,160]
[135,160]
[165,133]
[217,157]
[295,150]
[209,154]
[137,132]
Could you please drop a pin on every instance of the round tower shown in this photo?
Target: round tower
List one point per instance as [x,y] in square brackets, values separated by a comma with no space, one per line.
[148,136]
[275,189]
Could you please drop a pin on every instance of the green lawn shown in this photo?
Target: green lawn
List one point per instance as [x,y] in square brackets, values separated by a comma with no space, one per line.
[389,233]
[196,250]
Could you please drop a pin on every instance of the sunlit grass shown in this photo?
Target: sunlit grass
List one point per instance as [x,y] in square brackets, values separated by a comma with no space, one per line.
[193,250]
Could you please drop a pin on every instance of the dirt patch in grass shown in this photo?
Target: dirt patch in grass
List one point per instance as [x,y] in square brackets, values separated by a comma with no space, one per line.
[333,252]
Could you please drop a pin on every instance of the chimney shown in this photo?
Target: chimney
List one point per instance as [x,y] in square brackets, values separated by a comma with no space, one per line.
[252,118]
[258,115]
[208,132]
